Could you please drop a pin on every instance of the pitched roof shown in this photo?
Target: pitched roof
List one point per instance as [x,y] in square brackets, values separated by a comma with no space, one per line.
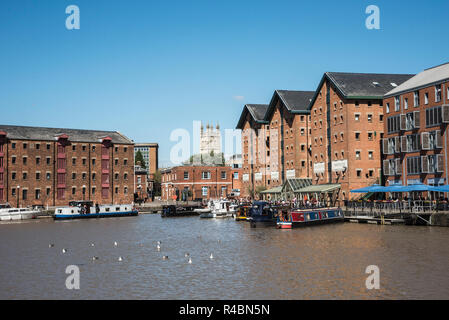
[423,79]
[362,85]
[257,112]
[294,101]
[50,134]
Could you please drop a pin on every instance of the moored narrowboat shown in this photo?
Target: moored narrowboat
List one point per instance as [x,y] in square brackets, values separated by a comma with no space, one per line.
[242,213]
[305,217]
[98,211]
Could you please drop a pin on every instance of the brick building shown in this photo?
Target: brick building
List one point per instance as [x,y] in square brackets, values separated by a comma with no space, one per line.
[255,154]
[347,125]
[415,143]
[198,182]
[289,136]
[275,139]
[49,166]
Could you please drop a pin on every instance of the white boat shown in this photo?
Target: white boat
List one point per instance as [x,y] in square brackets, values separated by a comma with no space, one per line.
[10,214]
[219,209]
[99,211]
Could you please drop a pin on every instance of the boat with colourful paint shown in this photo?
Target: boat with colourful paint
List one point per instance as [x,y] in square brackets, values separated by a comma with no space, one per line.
[98,211]
[305,217]
[242,212]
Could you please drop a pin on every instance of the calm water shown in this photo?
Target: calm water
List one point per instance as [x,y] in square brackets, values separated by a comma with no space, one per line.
[322,262]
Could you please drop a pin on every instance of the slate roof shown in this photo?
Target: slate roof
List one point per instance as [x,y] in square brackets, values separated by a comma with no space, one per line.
[50,134]
[294,101]
[257,112]
[362,85]
[423,79]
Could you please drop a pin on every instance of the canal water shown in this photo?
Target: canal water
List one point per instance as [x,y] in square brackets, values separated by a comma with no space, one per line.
[322,262]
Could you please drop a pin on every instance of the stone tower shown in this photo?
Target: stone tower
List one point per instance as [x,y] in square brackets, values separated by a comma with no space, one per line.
[210,140]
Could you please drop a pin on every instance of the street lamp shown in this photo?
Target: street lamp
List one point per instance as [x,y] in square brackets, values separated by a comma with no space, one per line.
[18,195]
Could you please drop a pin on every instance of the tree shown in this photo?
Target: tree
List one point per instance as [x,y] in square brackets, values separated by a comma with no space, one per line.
[139,158]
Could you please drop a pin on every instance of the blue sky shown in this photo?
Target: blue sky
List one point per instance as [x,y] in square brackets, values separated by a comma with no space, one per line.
[147,67]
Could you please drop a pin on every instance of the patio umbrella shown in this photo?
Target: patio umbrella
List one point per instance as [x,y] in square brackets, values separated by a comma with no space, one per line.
[441,188]
[394,189]
[373,188]
[418,187]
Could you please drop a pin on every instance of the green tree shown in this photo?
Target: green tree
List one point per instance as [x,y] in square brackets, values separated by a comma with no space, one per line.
[139,158]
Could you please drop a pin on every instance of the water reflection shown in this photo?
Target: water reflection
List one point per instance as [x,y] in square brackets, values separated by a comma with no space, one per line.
[323,262]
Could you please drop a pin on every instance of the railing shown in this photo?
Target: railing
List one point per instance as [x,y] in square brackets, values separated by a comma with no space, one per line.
[374,208]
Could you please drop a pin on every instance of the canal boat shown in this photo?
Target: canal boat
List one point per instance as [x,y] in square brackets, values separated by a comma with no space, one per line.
[262,214]
[242,212]
[178,211]
[305,217]
[10,214]
[99,211]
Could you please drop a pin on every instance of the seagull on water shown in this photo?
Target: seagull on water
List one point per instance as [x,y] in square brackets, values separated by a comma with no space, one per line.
[158,247]
[211,256]
[120,259]
[64,250]
[115,243]
[51,245]
[92,245]
[165,258]
[94,258]
[190,260]
[187,255]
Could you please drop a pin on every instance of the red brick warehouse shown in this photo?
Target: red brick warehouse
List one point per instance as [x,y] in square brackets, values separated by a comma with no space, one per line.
[52,166]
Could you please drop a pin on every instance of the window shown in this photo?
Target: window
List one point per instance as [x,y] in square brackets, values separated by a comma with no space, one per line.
[433,116]
[25,146]
[37,194]
[357,136]
[387,108]
[38,146]
[13,176]
[93,162]
[94,176]
[48,176]
[24,176]
[223,175]
[405,103]
[13,145]
[205,175]
[393,124]
[396,103]
[74,161]
[48,146]
[357,155]
[426,98]
[204,191]
[236,175]
[370,117]
[359,173]
[186,175]
[438,93]
[13,160]
[73,147]
[38,175]
[73,176]
[125,162]
[370,155]
[357,116]
[24,194]
[48,160]
[125,149]
[370,136]
[416,98]
[413,165]
[13,192]
[24,161]
[38,160]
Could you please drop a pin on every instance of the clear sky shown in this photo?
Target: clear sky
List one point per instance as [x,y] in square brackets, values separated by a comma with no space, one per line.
[147,67]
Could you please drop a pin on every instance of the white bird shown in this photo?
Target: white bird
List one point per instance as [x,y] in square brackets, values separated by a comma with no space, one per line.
[120,259]
[94,258]
[115,243]
[158,247]
[190,260]
[165,258]
[92,245]
[187,255]
[51,245]
[64,250]
[158,243]
[211,256]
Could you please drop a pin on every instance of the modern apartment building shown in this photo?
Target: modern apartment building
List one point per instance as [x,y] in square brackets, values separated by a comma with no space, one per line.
[415,143]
